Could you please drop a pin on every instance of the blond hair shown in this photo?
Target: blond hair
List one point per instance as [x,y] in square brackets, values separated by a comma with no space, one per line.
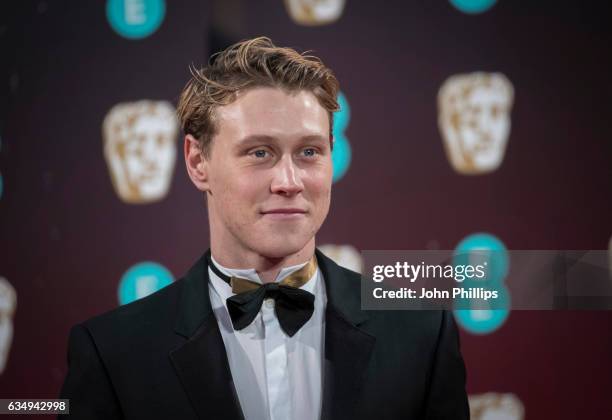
[247,64]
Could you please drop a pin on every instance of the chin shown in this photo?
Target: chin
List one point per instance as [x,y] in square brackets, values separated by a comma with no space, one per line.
[279,248]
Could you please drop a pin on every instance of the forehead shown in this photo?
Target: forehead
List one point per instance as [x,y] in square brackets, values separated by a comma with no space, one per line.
[272,112]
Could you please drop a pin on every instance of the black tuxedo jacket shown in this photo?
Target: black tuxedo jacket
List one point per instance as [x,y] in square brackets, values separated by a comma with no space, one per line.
[162,357]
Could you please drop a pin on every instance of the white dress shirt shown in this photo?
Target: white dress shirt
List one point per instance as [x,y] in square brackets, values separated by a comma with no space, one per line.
[276,377]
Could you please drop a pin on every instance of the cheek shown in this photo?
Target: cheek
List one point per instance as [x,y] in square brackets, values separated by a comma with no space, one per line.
[237,196]
[324,173]
[319,182]
[323,197]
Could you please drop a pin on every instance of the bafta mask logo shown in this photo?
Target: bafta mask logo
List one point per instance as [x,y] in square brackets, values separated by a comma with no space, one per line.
[314,12]
[474,119]
[344,255]
[140,149]
[494,406]
[8,303]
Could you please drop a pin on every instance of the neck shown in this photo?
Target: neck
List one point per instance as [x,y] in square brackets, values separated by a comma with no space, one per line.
[267,267]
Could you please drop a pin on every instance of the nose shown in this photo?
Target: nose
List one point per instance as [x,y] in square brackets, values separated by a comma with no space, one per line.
[287,180]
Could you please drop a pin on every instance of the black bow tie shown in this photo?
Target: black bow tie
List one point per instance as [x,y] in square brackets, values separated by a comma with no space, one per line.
[293,308]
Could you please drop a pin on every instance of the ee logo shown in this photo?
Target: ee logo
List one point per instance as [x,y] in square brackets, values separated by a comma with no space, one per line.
[135,19]
[141,280]
[341,155]
[473,7]
[486,249]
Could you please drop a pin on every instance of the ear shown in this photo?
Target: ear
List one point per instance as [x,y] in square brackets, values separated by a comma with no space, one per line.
[197,165]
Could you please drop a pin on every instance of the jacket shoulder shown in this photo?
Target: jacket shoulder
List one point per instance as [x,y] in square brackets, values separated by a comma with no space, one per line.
[154,312]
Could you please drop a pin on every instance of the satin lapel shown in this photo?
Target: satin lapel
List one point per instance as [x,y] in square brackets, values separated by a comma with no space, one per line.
[347,347]
[201,362]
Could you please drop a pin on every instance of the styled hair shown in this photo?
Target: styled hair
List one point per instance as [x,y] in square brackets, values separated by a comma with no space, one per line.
[251,63]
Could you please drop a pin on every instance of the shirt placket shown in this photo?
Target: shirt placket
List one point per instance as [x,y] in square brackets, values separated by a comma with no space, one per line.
[276,367]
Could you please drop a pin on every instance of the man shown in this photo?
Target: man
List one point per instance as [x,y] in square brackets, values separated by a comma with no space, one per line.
[263,326]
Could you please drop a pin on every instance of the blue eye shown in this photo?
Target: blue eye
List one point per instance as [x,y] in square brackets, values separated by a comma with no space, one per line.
[260,153]
[310,152]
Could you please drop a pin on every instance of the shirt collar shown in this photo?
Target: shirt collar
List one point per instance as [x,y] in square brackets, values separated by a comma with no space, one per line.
[225,289]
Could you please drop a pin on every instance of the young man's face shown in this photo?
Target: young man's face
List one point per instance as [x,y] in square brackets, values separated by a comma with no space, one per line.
[269,172]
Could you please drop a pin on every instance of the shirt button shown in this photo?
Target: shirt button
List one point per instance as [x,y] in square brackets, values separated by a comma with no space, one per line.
[270,303]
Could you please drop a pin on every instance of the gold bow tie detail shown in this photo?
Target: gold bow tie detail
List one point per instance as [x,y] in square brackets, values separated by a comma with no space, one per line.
[294,306]
[296,279]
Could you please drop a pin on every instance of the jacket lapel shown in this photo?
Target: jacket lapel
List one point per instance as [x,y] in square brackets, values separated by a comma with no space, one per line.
[202,366]
[347,347]
[201,362]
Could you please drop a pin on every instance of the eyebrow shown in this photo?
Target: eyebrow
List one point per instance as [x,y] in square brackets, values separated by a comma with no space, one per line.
[263,138]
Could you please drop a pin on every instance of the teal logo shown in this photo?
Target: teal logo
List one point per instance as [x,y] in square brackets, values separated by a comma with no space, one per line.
[490,251]
[135,19]
[141,280]
[481,321]
[473,7]
[341,156]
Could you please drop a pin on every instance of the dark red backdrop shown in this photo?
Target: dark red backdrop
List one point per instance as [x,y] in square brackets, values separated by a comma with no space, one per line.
[66,238]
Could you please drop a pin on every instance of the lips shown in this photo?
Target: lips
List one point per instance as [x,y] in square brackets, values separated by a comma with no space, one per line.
[284,211]
[284,214]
